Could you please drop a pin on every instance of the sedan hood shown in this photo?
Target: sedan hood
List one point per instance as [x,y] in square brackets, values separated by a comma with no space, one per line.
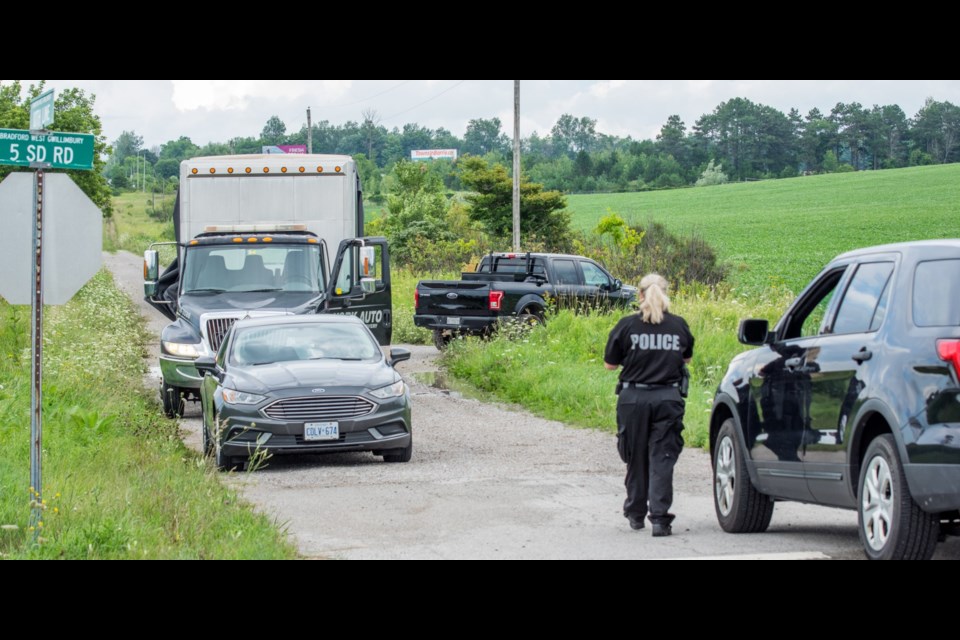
[311,374]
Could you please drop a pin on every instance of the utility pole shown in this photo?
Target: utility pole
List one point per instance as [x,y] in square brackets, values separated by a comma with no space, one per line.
[309,133]
[516,165]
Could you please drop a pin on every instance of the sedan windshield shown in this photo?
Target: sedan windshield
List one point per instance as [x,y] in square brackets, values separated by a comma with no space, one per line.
[218,269]
[314,341]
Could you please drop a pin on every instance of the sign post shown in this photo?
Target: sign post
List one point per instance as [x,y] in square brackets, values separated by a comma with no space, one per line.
[41,150]
[36,336]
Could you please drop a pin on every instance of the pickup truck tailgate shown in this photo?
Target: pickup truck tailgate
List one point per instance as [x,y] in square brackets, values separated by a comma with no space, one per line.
[454,298]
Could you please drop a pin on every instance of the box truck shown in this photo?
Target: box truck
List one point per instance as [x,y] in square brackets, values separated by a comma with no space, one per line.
[254,237]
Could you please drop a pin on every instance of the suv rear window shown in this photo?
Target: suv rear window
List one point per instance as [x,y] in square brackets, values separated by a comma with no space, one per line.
[936,294]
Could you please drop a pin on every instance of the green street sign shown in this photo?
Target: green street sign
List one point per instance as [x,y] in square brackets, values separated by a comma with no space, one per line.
[41,110]
[59,150]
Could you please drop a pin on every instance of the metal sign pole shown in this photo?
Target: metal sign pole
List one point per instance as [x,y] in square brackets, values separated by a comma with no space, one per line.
[36,396]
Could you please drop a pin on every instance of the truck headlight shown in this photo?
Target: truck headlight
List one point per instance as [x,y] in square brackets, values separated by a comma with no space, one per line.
[182,350]
[232,396]
[390,391]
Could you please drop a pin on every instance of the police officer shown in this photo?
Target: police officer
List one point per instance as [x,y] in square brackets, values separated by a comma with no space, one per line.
[652,346]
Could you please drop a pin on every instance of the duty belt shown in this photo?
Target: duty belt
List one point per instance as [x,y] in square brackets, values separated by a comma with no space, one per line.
[640,385]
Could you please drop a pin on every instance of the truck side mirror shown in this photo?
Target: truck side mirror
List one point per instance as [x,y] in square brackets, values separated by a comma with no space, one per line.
[368,285]
[753,332]
[151,273]
[368,263]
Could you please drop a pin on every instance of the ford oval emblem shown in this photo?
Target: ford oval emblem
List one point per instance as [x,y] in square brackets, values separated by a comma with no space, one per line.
[318,390]
[452,295]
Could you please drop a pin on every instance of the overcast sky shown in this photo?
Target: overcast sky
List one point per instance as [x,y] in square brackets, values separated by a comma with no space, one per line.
[216,110]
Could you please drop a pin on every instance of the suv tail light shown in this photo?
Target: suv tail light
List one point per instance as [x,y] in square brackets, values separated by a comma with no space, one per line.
[949,350]
[496,298]
[416,299]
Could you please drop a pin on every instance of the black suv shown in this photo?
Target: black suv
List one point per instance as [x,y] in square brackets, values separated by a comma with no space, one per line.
[852,401]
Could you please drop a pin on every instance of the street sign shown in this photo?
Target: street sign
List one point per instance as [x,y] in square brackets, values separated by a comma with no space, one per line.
[72,238]
[59,150]
[41,110]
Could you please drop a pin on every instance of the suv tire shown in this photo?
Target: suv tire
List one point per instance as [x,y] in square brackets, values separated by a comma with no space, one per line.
[740,507]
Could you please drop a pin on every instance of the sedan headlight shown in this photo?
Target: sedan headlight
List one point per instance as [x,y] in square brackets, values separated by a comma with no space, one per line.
[390,391]
[232,396]
[182,350]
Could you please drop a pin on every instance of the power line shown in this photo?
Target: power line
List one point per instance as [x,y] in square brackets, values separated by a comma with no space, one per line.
[420,104]
[376,95]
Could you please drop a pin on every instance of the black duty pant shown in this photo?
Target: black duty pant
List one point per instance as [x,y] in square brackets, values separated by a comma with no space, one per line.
[649,440]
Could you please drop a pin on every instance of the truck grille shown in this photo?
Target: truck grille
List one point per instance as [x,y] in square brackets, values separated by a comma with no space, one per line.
[319,409]
[217,329]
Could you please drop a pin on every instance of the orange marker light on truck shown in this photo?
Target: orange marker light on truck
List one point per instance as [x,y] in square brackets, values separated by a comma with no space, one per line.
[212,170]
[238,239]
[193,171]
[251,239]
[319,169]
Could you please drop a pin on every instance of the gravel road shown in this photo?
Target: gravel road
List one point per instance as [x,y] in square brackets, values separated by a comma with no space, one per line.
[493,481]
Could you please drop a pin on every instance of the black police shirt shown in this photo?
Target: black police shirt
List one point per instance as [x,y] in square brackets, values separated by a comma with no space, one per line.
[650,353]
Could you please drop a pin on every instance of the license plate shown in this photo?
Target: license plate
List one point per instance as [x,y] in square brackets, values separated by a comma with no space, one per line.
[313,431]
[453,320]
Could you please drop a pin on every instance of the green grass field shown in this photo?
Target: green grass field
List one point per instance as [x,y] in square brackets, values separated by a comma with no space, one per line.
[785,231]
[131,228]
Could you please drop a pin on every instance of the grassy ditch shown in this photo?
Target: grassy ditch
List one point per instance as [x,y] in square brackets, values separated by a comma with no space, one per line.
[118,482]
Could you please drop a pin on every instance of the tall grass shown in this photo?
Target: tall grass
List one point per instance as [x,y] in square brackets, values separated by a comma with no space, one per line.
[118,482]
[557,371]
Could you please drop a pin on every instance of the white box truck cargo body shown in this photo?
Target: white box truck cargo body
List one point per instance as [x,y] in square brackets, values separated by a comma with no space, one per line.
[254,236]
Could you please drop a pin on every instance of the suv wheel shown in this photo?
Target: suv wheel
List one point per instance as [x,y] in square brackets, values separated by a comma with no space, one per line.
[441,339]
[399,455]
[740,507]
[892,526]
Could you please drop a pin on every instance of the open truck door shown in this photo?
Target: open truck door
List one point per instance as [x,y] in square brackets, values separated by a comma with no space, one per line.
[360,285]
[160,291]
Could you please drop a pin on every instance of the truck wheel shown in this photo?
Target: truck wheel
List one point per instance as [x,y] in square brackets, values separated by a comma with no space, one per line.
[441,339]
[892,526]
[171,398]
[531,317]
[740,507]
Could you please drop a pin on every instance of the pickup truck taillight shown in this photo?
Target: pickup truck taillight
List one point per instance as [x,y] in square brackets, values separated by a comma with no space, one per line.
[416,299]
[949,350]
[496,297]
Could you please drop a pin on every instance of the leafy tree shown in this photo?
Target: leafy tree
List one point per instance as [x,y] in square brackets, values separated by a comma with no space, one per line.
[937,130]
[484,136]
[167,168]
[74,112]
[274,132]
[712,175]
[572,135]
[128,144]
[179,149]
[543,215]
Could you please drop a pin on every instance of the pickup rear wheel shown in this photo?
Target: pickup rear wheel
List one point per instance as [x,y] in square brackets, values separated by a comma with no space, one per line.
[892,525]
[532,317]
[441,339]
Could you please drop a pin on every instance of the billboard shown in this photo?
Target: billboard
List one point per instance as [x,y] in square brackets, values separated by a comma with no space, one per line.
[285,148]
[433,154]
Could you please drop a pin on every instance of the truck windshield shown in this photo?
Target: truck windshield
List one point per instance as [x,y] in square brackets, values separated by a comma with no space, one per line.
[287,268]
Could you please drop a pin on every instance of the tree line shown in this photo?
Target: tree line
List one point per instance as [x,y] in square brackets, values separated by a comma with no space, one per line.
[744,140]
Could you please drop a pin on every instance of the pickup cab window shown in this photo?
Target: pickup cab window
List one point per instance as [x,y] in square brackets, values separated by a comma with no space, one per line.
[593,275]
[566,272]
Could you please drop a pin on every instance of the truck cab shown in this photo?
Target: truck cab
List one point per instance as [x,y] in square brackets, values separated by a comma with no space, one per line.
[253,238]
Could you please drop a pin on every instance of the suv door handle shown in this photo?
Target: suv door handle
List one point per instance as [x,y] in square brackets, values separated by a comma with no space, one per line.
[862,356]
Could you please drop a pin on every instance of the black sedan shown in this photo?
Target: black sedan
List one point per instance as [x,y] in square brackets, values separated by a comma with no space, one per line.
[303,384]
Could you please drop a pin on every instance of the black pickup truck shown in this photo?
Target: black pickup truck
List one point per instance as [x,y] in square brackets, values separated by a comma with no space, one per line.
[514,285]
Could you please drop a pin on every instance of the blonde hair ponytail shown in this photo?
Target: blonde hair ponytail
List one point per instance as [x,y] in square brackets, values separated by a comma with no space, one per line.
[655,301]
